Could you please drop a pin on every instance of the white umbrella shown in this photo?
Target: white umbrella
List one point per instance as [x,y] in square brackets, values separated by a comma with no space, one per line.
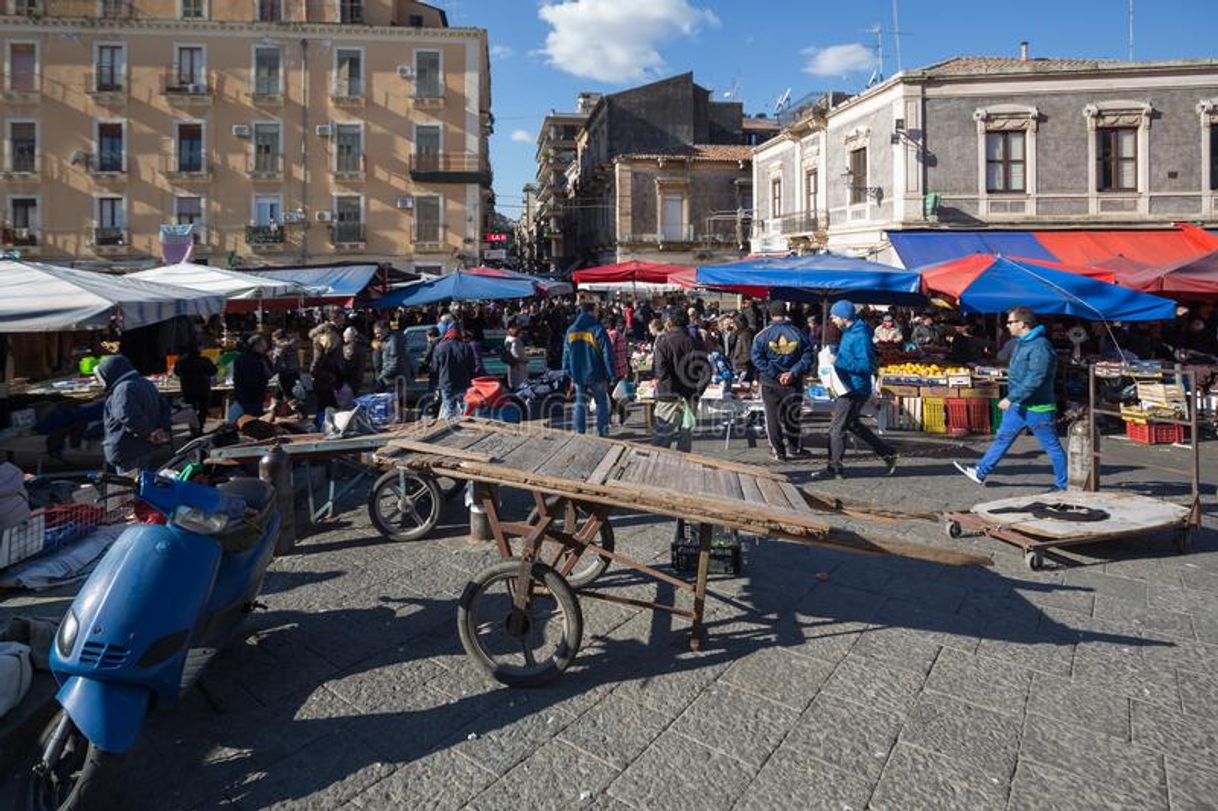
[47,298]
[228,283]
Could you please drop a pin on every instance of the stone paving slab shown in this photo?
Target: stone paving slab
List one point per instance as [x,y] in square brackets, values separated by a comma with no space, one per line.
[828,680]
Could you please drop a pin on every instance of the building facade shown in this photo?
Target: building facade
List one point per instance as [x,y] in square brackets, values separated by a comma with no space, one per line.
[662,173]
[556,152]
[280,131]
[996,142]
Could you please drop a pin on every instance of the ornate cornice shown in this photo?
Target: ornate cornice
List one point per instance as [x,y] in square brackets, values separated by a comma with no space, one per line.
[282,30]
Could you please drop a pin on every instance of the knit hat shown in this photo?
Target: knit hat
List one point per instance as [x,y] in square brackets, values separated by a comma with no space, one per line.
[842,309]
[778,308]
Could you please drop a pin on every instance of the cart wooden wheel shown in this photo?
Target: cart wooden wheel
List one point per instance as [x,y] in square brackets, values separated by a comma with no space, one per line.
[590,566]
[1034,559]
[953,528]
[404,506]
[520,648]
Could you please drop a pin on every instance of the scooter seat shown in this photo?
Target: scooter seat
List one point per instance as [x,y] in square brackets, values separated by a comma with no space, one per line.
[255,492]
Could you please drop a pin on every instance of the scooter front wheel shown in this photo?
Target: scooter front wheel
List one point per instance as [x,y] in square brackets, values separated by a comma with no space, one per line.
[68,768]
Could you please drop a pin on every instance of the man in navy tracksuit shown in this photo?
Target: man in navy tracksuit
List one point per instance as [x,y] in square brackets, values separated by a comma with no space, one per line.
[587,356]
[855,365]
[1030,402]
[782,356]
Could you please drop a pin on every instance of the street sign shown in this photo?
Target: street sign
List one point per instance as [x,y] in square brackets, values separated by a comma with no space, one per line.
[495,253]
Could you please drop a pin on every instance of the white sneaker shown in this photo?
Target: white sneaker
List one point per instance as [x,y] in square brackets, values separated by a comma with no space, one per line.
[971,472]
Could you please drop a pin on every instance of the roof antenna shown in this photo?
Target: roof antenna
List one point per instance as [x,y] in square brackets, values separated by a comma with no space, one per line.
[896,31]
[1130,30]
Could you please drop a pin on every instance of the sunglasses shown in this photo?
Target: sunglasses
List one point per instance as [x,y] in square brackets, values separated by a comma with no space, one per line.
[1014,322]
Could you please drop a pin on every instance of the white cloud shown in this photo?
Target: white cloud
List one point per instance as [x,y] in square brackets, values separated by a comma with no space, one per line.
[522,137]
[501,51]
[616,40]
[838,60]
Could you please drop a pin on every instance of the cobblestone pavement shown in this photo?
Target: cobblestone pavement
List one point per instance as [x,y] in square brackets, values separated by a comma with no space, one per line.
[829,680]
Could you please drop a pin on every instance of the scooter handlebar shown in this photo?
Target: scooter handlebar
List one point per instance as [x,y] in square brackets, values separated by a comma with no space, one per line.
[114,478]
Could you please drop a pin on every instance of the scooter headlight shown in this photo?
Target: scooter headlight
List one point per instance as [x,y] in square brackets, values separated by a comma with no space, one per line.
[192,519]
[65,640]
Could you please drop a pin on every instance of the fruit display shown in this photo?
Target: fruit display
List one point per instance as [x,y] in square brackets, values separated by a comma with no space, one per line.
[918,372]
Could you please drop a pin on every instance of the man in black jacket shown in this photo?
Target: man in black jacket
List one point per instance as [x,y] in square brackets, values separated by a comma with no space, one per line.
[681,373]
[453,362]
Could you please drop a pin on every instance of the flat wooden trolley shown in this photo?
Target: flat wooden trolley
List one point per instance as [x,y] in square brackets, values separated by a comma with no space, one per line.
[520,619]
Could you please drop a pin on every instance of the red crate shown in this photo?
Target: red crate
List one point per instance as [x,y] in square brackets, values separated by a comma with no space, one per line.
[957,416]
[1154,433]
[968,416]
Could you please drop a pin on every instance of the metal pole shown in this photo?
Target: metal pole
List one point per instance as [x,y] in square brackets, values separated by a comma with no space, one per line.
[1093,482]
[1194,403]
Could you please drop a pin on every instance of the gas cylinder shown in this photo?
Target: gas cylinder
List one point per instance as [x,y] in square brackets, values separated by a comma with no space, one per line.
[1079,446]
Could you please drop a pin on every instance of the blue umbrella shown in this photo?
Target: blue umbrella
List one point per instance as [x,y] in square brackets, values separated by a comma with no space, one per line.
[457,286]
[826,275]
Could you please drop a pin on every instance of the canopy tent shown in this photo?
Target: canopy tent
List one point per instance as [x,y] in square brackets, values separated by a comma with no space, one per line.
[1190,278]
[548,287]
[633,271]
[323,285]
[46,298]
[985,283]
[459,285]
[231,284]
[818,276]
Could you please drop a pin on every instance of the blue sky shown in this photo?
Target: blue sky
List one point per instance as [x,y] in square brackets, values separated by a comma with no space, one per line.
[544,52]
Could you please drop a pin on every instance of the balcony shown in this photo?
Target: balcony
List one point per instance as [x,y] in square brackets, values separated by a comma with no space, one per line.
[23,87]
[801,222]
[427,97]
[187,87]
[267,93]
[106,86]
[182,171]
[429,241]
[116,9]
[107,167]
[110,240]
[449,167]
[11,237]
[347,92]
[347,236]
[681,235]
[265,166]
[264,238]
[350,168]
[23,165]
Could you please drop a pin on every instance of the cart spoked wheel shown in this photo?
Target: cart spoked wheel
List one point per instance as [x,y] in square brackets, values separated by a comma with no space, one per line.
[589,567]
[520,647]
[953,528]
[404,506]
[1034,559]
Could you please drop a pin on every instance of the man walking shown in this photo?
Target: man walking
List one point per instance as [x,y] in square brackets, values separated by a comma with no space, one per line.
[680,369]
[855,365]
[1030,402]
[453,362]
[137,417]
[782,356]
[587,356]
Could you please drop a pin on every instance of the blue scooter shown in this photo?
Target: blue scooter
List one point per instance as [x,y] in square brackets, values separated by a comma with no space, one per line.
[163,600]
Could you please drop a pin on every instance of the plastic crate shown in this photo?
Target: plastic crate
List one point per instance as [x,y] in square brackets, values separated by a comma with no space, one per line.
[52,528]
[934,415]
[995,415]
[1154,433]
[957,416]
[726,556]
[25,540]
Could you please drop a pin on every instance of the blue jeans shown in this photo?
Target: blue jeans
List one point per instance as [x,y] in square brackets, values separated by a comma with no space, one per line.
[600,391]
[1042,426]
[452,403]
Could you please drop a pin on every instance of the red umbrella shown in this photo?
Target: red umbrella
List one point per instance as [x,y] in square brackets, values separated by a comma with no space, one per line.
[953,277]
[1196,277]
[634,270]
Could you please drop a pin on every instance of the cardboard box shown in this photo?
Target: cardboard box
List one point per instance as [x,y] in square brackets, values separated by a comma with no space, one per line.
[978,393]
[900,390]
[941,392]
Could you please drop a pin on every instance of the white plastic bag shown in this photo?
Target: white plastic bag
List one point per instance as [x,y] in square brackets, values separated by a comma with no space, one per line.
[16,674]
[828,374]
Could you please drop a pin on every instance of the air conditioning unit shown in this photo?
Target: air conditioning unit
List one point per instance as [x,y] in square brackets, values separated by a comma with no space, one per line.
[241,130]
[324,216]
[404,202]
[323,130]
[406,71]
[80,157]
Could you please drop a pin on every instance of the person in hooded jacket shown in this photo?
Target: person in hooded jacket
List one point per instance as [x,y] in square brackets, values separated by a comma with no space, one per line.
[453,362]
[251,374]
[782,356]
[355,359]
[587,356]
[136,417]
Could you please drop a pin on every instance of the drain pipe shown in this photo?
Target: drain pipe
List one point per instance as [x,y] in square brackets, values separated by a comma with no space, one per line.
[304,150]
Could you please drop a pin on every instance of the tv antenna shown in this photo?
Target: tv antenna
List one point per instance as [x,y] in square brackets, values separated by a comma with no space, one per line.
[877,75]
[783,102]
[1130,30]
[734,93]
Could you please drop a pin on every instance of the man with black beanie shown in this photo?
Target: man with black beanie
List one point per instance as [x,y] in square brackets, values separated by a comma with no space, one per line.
[782,356]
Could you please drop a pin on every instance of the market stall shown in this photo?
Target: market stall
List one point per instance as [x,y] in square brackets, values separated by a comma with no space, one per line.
[460,285]
[231,284]
[636,277]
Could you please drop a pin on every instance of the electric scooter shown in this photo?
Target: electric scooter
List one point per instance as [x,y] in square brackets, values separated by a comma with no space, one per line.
[164,599]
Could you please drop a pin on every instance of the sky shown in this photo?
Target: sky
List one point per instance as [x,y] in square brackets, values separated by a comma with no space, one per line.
[545,52]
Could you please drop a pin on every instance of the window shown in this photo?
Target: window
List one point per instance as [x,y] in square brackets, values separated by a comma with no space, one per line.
[115,9]
[1005,162]
[270,11]
[266,148]
[428,81]
[811,187]
[858,176]
[23,146]
[267,69]
[110,147]
[416,20]
[776,197]
[427,147]
[349,148]
[27,6]
[267,209]
[348,219]
[22,227]
[1214,156]
[109,68]
[193,9]
[348,73]
[111,220]
[672,218]
[188,72]
[188,211]
[350,11]
[427,219]
[1116,156]
[190,147]
[22,67]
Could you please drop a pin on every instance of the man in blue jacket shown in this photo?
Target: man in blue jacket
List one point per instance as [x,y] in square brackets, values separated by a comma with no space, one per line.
[855,366]
[1030,402]
[587,357]
[782,356]
[137,417]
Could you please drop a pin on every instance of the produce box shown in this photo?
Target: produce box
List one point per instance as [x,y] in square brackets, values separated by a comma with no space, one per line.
[941,392]
[977,392]
[900,391]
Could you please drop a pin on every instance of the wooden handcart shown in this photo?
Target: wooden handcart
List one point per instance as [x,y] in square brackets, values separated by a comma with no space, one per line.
[519,619]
